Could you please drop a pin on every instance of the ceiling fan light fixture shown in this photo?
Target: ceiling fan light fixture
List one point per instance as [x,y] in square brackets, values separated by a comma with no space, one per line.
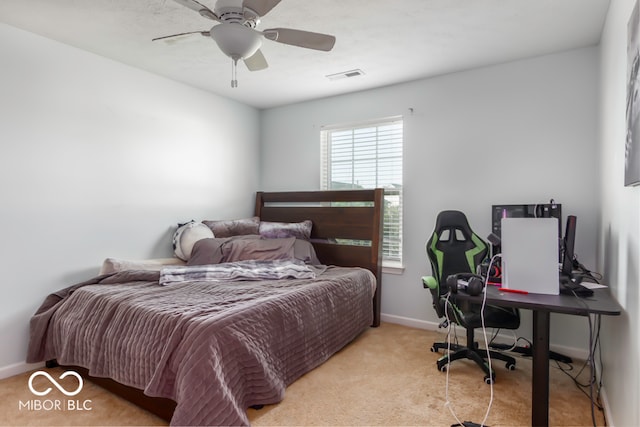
[235,40]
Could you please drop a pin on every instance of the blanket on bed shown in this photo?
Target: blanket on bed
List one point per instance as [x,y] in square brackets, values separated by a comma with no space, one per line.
[215,348]
[241,270]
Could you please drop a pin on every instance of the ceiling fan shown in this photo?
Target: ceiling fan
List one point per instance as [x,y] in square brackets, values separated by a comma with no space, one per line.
[237,37]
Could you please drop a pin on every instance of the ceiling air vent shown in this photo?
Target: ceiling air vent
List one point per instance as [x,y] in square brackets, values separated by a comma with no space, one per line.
[345,74]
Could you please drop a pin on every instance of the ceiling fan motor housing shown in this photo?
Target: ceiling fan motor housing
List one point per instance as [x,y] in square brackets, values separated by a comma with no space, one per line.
[232,11]
[235,40]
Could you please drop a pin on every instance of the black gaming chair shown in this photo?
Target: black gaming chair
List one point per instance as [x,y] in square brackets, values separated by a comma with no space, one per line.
[454,248]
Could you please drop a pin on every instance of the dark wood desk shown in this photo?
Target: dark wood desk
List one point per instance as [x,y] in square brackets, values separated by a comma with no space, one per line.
[542,306]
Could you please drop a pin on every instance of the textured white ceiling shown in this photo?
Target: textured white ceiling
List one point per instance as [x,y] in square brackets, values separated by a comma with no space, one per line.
[392,41]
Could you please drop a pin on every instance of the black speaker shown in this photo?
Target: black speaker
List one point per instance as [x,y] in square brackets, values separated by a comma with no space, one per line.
[474,285]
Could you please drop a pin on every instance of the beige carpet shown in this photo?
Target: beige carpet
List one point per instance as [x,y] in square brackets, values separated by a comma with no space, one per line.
[387,376]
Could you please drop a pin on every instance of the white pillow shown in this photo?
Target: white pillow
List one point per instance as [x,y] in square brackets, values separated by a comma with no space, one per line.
[187,235]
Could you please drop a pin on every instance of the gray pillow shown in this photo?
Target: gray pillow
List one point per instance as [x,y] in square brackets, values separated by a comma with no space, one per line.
[258,249]
[239,248]
[234,227]
[304,251]
[279,230]
[207,251]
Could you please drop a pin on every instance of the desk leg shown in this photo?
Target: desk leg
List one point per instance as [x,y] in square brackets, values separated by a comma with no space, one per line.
[540,382]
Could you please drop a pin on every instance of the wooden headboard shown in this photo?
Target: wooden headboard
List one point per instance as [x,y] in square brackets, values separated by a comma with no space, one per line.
[339,218]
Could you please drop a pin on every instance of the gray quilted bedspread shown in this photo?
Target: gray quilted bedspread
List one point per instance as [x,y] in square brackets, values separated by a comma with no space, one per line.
[213,348]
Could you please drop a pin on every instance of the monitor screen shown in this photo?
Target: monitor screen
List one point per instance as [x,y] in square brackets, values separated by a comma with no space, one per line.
[540,210]
[568,244]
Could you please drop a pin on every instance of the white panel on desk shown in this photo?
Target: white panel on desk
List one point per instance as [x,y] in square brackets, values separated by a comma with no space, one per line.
[530,255]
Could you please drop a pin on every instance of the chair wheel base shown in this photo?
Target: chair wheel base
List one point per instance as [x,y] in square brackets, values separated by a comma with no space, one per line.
[443,364]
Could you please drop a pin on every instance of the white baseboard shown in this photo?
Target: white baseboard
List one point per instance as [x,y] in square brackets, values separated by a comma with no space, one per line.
[407,321]
[18,368]
[606,407]
[572,352]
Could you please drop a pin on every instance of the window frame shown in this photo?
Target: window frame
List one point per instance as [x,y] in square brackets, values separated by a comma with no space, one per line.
[390,262]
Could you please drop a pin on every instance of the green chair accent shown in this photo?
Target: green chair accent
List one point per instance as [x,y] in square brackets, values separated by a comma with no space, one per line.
[454,248]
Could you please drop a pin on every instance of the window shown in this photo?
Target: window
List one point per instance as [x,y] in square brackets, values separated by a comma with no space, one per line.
[369,155]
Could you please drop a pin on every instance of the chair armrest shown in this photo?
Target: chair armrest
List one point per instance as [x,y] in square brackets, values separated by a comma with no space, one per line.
[429,282]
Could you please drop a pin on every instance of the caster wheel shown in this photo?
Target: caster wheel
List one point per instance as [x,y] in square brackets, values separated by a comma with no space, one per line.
[511,366]
[434,349]
[489,380]
[444,368]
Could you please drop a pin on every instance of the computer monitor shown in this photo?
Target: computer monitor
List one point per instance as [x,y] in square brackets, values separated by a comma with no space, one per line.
[568,245]
[538,210]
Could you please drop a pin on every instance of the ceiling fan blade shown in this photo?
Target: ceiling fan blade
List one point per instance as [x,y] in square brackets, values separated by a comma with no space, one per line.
[204,33]
[260,7]
[200,8]
[256,62]
[301,38]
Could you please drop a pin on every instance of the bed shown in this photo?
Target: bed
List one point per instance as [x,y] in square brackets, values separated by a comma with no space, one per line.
[202,353]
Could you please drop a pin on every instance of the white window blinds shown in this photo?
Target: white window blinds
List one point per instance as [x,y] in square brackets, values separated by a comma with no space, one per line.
[368,155]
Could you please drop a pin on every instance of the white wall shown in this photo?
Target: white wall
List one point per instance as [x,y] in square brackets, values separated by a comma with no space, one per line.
[619,255]
[522,132]
[100,159]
